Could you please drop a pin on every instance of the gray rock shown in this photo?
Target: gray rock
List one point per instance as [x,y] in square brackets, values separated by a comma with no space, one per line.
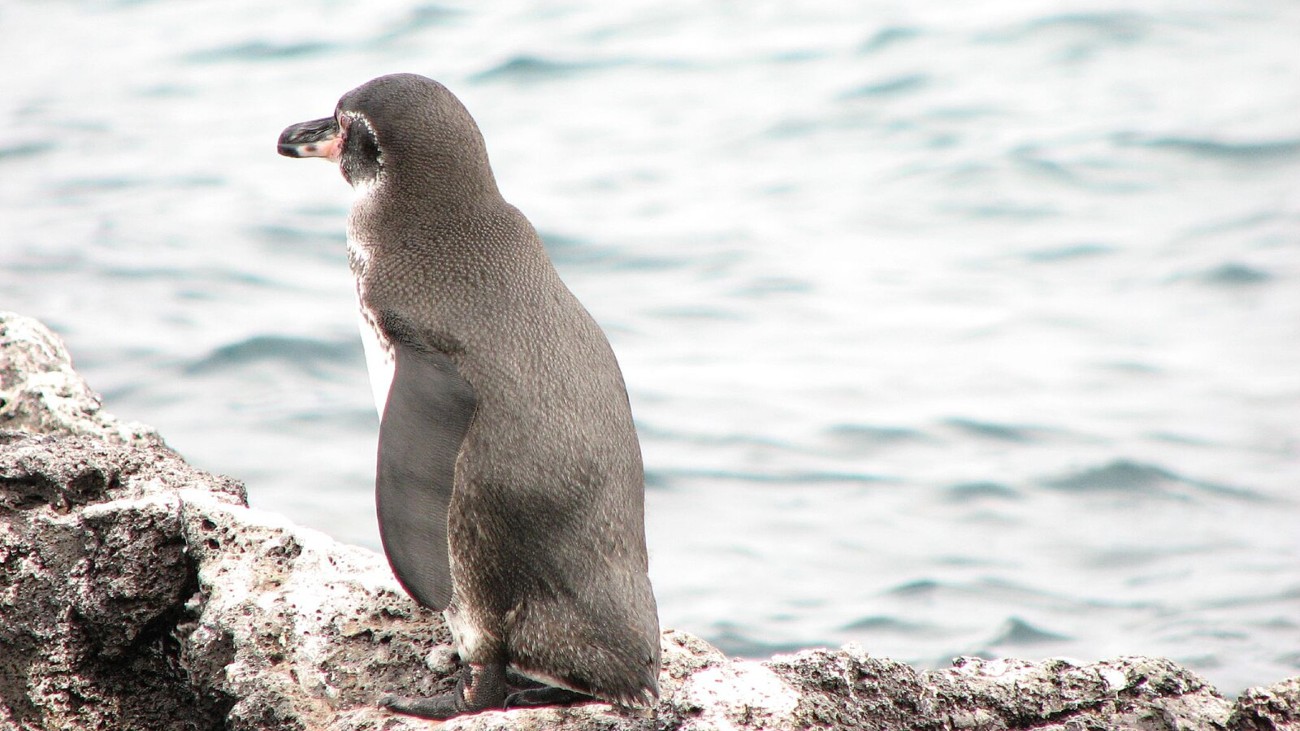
[40,392]
[1275,708]
[137,592]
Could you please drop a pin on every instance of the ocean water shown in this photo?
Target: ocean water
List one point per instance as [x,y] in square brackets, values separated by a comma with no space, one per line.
[950,328]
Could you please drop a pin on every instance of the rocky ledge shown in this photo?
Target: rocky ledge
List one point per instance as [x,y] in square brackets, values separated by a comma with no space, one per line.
[137,592]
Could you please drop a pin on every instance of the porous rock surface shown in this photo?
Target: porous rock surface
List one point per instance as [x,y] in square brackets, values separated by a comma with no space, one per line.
[137,592]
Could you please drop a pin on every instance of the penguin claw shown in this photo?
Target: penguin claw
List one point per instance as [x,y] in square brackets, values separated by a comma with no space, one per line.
[438,707]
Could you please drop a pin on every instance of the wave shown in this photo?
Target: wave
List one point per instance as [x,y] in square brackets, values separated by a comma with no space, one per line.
[303,354]
[1136,478]
[527,67]
[882,624]
[1260,150]
[893,86]
[261,51]
[887,37]
[1019,633]
[25,149]
[1113,28]
[1233,274]
[971,491]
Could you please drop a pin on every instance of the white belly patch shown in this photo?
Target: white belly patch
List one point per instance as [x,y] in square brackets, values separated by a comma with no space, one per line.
[379,359]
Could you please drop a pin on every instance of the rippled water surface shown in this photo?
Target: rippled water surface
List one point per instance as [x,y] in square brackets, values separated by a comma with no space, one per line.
[950,328]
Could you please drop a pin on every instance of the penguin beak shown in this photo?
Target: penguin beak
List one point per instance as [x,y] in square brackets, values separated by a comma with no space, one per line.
[317,138]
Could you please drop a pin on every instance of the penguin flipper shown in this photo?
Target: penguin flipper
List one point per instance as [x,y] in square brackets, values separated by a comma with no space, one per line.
[428,411]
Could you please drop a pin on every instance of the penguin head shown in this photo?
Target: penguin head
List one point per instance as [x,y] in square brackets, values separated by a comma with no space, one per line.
[402,126]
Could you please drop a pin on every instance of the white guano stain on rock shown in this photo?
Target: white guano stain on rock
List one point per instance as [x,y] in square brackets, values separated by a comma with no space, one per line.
[742,694]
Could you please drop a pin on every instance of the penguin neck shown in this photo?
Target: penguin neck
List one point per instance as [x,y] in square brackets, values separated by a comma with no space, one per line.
[393,211]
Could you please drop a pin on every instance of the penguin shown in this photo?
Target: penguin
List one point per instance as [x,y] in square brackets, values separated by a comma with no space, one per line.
[509,481]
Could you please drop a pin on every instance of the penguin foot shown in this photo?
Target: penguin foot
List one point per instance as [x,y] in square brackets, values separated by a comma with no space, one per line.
[546,696]
[479,688]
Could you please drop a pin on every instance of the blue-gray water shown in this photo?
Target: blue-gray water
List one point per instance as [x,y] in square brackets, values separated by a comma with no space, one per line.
[949,327]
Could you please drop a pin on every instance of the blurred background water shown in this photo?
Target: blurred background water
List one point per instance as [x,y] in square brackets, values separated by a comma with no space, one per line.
[950,328]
